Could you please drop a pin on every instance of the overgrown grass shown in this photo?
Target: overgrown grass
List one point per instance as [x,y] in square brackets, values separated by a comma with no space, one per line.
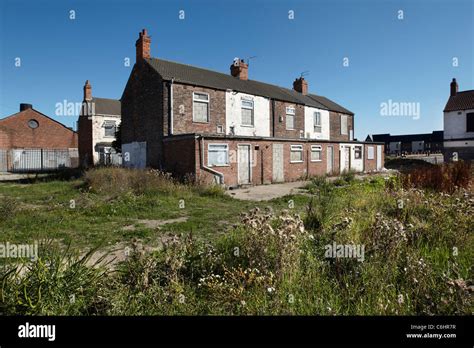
[268,260]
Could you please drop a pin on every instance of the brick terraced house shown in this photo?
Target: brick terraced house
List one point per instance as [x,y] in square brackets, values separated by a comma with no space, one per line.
[232,130]
[97,125]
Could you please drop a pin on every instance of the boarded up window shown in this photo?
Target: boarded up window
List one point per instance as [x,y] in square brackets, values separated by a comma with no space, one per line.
[200,107]
[296,153]
[370,153]
[290,117]
[344,124]
[217,155]
[316,153]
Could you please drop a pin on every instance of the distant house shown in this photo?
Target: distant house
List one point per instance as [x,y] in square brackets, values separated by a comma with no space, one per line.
[97,125]
[32,141]
[410,143]
[459,124]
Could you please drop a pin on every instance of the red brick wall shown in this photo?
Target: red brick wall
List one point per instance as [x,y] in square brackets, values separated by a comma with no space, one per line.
[262,172]
[49,135]
[85,141]
[183,110]
[335,126]
[280,120]
[371,165]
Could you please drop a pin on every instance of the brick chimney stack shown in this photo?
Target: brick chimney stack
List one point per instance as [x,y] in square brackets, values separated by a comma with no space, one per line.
[300,85]
[454,88]
[87,91]
[239,69]
[143,46]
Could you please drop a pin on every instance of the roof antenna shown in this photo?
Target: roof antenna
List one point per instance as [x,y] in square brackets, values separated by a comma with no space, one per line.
[304,73]
[248,59]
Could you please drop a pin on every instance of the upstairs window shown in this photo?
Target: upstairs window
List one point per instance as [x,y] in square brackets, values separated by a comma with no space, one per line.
[290,118]
[317,122]
[200,107]
[217,155]
[110,127]
[344,125]
[296,153]
[470,122]
[247,112]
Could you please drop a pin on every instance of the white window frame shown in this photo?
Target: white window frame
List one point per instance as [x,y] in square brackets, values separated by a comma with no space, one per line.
[202,101]
[345,130]
[318,128]
[370,152]
[317,148]
[248,108]
[355,152]
[297,148]
[227,154]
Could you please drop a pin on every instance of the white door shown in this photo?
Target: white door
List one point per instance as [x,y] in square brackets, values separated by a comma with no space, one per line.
[345,158]
[243,158]
[278,174]
[379,157]
[330,160]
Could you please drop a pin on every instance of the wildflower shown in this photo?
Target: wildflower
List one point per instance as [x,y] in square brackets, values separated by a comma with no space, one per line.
[270,290]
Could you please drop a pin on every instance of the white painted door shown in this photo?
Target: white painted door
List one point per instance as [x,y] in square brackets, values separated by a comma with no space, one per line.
[330,160]
[243,159]
[379,157]
[345,159]
[278,173]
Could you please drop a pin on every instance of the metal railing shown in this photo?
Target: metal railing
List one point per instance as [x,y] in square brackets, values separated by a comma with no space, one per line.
[37,160]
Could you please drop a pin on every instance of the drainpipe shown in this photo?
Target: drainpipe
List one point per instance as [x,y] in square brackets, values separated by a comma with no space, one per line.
[204,167]
[170,126]
[273,118]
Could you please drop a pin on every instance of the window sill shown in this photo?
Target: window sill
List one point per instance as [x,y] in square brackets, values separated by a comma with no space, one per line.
[247,125]
[218,165]
[316,161]
[296,161]
[202,122]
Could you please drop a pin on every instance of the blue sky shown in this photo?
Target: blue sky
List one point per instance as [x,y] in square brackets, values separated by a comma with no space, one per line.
[409,60]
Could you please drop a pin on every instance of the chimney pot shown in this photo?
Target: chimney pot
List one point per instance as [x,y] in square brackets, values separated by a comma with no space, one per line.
[454,88]
[24,106]
[239,69]
[300,85]
[142,46]
[87,91]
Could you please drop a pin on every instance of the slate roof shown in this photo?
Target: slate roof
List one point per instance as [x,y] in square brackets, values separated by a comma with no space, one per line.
[104,106]
[207,78]
[461,101]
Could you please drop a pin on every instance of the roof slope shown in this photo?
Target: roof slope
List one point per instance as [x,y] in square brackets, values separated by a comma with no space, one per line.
[207,78]
[104,106]
[461,101]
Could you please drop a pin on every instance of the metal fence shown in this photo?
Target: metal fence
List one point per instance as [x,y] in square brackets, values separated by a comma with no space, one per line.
[37,160]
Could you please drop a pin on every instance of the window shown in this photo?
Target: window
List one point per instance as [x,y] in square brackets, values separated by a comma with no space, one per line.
[33,124]
[296,153]
[217,155]
[344,124]
[370,153]
[200,107]
[358,152]
[470,122]
[247,112]
[316,153]
[317,122]
[110,128]
[290,118]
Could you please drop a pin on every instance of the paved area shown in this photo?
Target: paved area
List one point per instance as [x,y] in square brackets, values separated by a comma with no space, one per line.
[267,192]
